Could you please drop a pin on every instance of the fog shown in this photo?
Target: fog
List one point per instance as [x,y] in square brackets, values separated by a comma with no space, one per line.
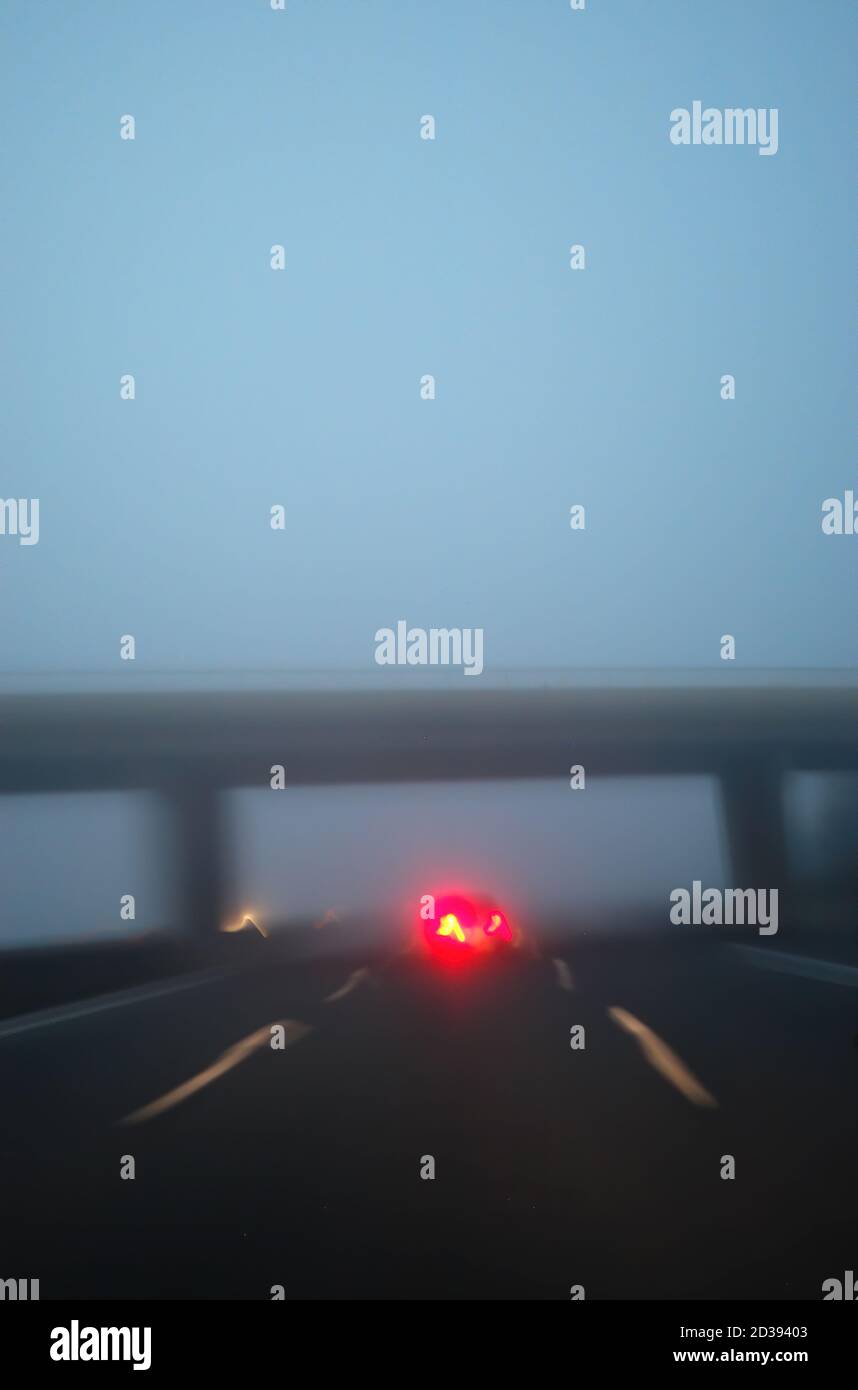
[301,389]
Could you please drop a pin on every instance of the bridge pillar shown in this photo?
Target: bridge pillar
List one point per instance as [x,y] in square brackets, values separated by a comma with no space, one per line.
[199,856]
[752,795]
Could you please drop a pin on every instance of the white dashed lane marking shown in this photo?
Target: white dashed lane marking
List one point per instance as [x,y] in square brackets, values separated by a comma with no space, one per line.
[663,1059]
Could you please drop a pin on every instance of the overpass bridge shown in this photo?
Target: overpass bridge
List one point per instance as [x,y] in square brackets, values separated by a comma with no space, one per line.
[192,747]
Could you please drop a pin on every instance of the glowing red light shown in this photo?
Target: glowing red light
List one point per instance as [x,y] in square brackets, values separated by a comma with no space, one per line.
[461,928]
[498,927]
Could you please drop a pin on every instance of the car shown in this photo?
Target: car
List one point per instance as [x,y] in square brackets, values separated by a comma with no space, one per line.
[459,927]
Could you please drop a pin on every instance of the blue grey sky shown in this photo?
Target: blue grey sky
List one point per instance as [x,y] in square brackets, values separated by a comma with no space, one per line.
[406,257]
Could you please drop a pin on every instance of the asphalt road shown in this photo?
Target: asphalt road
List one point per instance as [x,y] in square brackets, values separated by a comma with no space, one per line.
[554,1166]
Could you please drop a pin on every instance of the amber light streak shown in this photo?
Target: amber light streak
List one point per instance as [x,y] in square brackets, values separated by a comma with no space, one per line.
[663,1059]
[450,926]
[355,980]
[239,1052]
[247,923]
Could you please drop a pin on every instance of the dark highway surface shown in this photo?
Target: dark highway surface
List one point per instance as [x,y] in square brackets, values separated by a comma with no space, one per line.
[554,1167]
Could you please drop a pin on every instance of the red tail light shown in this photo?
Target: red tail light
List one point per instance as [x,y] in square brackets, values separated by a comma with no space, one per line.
[461,926]
[453,923]
[498,927]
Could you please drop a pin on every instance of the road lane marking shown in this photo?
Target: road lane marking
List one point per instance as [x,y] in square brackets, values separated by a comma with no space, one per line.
[355,980]
[828,972]
[238,1053]
[563,973]
[66,1013]
[663,1059]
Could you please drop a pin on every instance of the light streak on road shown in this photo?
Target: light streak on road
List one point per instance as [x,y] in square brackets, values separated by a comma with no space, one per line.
[663,1059]
[355,980]
[563,973]
[233,1057]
